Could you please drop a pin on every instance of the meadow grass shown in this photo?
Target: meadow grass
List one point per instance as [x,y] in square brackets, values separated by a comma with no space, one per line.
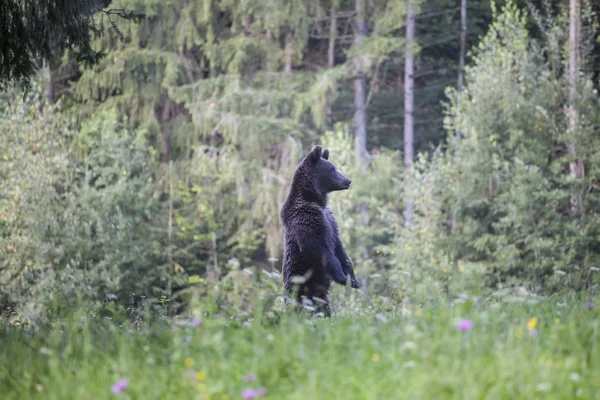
[546,351]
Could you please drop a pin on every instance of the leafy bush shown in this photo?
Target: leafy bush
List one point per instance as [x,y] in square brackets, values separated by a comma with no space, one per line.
[82,224]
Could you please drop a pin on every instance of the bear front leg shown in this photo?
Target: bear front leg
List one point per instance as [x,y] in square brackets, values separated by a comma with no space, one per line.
[340,253]
[334,268]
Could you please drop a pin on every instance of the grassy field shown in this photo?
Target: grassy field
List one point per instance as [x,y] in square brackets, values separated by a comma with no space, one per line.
[546,351]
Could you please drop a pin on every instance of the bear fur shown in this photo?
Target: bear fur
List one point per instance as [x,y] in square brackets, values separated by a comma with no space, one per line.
[313,253]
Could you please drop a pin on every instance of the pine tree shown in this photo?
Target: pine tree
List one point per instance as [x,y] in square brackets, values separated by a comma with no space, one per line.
[33,31]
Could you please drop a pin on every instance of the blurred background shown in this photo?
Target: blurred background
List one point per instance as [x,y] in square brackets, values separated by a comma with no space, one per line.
[151,153]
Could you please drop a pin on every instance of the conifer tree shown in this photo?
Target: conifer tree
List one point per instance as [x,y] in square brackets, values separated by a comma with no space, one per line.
[32,31]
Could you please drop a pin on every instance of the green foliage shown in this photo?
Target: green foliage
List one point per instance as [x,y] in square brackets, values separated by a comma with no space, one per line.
[73,227]
[508,177]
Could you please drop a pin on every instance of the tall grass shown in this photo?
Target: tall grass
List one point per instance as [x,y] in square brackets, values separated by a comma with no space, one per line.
[547,351]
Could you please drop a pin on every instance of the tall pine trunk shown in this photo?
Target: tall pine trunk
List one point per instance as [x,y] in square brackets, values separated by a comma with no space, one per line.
[575,165]
[461,77]
[409,84]
[331,59]
[360,118]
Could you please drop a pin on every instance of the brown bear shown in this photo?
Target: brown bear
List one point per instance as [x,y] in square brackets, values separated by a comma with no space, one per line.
[313,253]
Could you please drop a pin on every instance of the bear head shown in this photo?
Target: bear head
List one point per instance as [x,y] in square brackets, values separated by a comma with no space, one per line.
[316,176]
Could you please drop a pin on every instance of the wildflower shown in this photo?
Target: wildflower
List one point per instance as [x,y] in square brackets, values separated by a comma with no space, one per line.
[120,386]
[250,378]
[188,362]
[224,397]
[556,321]
[533,332]
[419,312]
[408,248]
[375,357]
[461,268]
[544,387]
[575,377]
[465,325]
[201,376]
[532,323]
[253,393]
[201,387]
[445,270]
[451,262]
[589,305]
[197,321]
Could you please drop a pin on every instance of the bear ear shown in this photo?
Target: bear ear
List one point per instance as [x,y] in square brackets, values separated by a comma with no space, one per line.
[315,154]
[325,154]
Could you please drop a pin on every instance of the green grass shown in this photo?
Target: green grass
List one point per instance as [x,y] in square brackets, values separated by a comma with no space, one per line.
[368,356]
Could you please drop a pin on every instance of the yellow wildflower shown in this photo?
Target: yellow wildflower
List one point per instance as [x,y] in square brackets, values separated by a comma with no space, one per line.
[451,262]
[201,376]
[532,323]
[445,270]
[224,397]
[375,357]
[188,362]
[461,268]
[408,248]
[557,321]
[419,312]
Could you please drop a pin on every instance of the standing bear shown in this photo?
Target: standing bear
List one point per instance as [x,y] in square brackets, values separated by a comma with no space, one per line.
[313,254]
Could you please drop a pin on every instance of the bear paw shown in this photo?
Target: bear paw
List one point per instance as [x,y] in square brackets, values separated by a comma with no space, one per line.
[354,283]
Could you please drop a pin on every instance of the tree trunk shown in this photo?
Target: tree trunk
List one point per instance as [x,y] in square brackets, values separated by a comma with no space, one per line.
[360,119]
[360,110]
[575,165]
[331,58]
[461,77]
[289,40]
[409,83]
[332,37]
[463,49]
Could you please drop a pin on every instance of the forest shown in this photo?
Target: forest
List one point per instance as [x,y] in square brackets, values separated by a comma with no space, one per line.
[147,148]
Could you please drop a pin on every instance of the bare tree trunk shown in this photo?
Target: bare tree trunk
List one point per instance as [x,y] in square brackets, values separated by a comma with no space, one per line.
[360,109]
[331,57]
[463,49]
[461,77]
[409,83]
[332,37]
[575,165]
[360,118]
[289,40]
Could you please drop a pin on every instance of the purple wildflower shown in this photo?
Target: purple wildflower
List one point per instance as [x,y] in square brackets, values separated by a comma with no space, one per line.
[253,393]
[250,378]
[534,332]
[120,386]
[197,321]
[589,305]
[465,325]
